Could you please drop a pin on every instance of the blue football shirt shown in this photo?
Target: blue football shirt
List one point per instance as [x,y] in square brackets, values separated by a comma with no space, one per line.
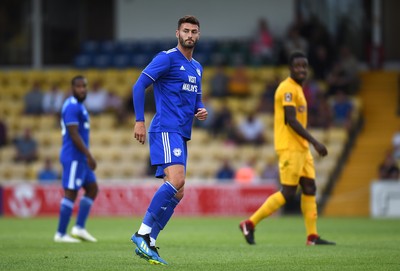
[73,113]
[176,84]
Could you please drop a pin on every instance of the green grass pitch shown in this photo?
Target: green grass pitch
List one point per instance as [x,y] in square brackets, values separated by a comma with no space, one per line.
[211,243]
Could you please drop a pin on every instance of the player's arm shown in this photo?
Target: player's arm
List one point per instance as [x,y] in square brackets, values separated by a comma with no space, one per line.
[138,94]
[291,120]
[80,145]
[200,112]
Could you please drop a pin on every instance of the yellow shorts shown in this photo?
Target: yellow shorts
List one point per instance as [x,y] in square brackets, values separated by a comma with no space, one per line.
[295,164]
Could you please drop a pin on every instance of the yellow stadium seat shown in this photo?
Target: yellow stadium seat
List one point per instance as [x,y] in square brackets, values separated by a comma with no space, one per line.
[51,152]
[338,135]
[319,134]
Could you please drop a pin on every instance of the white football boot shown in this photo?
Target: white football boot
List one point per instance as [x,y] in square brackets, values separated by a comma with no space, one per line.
[82,234]
[65,238]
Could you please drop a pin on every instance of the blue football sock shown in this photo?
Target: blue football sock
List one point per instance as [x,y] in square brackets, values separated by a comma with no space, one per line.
[159,203]
[84,210]
[159,225]
[66,207]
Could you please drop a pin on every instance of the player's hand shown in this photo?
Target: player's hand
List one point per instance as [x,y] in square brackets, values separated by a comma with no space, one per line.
[201,114]
[140,132]
[320,148]
[91,162]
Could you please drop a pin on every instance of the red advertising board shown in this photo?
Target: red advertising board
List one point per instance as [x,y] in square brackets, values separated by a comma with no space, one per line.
[28,200]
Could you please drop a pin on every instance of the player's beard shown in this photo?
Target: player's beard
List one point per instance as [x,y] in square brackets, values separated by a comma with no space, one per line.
[186,45]
[80,99]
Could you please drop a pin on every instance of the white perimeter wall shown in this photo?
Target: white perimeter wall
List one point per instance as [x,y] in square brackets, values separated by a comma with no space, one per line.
[153,19]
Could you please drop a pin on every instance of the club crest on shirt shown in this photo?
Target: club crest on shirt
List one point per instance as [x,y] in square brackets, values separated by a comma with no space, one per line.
[78,182]
[177,152]
[288,97]
[198,72]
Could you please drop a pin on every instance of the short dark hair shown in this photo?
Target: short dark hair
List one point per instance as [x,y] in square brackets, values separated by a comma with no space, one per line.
[296,54]
[78,77]
[188,19]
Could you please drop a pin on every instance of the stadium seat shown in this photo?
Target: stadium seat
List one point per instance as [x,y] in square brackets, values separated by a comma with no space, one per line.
[121,61]
[107,47]
[140,60]
[90,47]
[102,61]
[52,152]
[83,61]
[338,135]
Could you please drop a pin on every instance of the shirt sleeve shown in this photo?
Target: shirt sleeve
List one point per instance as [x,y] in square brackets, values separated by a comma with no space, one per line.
[158,66]
[288,96]
[71,115]
[138,94]
[199,102]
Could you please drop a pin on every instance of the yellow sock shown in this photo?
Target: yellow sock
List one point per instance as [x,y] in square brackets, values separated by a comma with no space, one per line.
[273,203]
[309,210]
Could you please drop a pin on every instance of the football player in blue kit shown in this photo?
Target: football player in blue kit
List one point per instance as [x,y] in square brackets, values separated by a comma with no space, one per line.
[176,78]
[78,165]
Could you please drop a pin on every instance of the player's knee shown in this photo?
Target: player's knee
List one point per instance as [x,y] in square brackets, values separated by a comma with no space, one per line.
[179,195]
[92,192]
[308,186]
[309,190]
[288,192]
[178,182]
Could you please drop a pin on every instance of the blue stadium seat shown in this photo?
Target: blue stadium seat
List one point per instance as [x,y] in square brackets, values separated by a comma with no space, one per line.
[140,60]
[125,47]
[202,57]
[205,46]
[83,61]
[89,47]
[107,47]
[102,61]
[121,61]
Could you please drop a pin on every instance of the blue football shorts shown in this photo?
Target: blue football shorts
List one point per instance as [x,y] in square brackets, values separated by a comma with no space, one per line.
[76,174]
[167,149]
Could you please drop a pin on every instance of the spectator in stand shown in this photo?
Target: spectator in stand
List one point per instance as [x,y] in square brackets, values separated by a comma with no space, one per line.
[389,169]
[113,102]
[320,62]
[294,41]
[222,120]
[96,100]
[262,46]
[320,116]
[3,133]
[342,109]
[344,73]
[114,105]
[26,147]
[126,109]
[33,100]
[208,123]
[225,173]
[270,173]
[311,91]
[267,98]
[349,65]
[239,82]
[230,133]
[246,174]
[219,83]
[48,174]
[53,100]
[250,130]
